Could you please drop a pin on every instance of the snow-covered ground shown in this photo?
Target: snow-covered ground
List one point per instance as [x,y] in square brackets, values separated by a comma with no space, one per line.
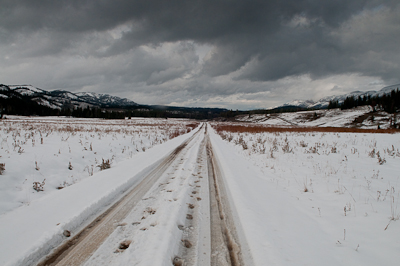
[309,198]
[315,198]
[30,229]
[60,152]
[360,117]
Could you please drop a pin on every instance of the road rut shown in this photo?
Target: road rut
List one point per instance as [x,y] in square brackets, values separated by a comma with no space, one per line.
[182,203]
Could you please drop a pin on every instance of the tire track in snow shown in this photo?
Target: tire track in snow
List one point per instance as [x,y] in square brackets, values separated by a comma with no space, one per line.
[197,229]
[212,230]
[78,249]
[201,231]
[225,247]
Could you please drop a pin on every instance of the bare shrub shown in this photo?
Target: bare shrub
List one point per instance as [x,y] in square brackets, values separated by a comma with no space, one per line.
[333,150]
[391,152]
[286,147]
[39,186]
[242,142]
[303,144]
[393,207]
[274,145]
[261,140]
[106,164]
[244,145]
[70,167]
[313,150]
[20,150]
[380,159]
[2,168]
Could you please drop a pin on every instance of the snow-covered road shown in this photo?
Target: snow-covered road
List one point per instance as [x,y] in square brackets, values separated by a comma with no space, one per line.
[176,212]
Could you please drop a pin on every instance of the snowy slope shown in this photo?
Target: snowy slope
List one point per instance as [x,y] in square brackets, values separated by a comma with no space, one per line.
[26,90]
[58,99]
[360,117]
[324,102]
[105,99]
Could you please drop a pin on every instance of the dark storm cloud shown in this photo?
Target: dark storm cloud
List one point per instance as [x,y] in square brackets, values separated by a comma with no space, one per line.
[256,41]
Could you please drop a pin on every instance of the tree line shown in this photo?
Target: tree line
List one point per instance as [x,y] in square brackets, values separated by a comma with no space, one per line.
[13,105]
[389,102]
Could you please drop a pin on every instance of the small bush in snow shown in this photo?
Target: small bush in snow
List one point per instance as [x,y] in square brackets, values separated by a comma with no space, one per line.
[70,167]
[275,145]
[303,144]
[39,186]
[380,159]
[244,145]
[286,147]
[2,168]
[106,164]
[37,168]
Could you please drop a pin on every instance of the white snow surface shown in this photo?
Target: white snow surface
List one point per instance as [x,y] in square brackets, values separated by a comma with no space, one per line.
[315,198]
[297,198]
[155,237]
[31,228]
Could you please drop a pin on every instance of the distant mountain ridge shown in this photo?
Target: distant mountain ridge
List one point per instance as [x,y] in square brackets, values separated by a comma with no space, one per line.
[59,99]
[324,102]
[29,100]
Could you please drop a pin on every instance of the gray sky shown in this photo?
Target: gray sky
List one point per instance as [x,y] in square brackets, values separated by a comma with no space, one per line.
[238,54]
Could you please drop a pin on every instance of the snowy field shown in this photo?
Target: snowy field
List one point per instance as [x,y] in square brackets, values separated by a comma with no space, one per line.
[297,198]
[44,154]
[315,198]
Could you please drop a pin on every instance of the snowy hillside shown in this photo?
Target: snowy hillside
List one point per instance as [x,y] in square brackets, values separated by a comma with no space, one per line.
[59,99]
[104,99]
[26,90]
[360,117]
[324,102]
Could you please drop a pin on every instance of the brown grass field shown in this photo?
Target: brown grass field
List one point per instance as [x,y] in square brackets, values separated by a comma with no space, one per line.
[251,128]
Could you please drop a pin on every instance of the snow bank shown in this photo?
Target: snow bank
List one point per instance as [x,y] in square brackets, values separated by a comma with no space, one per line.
[325,201]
